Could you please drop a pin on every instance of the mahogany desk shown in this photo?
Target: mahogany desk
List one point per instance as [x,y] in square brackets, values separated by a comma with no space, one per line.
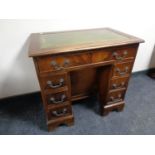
[73,65]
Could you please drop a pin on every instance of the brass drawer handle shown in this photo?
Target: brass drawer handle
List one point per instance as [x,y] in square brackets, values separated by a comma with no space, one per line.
[122,72]
[115,86]
[59,112]
[58,67]
[117,57]
[50,83]
[116,99]
[52,99]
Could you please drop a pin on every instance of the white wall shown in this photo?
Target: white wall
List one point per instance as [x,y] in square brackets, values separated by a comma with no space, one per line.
[17,73]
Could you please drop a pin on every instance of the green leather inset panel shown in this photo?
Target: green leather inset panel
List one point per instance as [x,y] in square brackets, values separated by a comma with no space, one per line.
[74,38]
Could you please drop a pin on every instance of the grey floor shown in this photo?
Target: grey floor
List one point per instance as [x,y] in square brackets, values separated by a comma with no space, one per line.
[26,116]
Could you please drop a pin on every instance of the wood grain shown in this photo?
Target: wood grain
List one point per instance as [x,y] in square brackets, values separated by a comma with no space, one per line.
[90,62]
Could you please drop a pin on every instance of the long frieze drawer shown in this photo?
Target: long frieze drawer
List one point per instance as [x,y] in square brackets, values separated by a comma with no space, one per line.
[57,98]
[53,82]
[122,69]
[114,97]
[57,63]
[58,113]
[119,83]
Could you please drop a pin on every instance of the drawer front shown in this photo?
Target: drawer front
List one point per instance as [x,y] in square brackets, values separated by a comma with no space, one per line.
[122,69]
[101,55]
[59,112]
[118,54]
[124,53]
[57,63]
[119,83]
[114,97]
[57,99]
[53,82]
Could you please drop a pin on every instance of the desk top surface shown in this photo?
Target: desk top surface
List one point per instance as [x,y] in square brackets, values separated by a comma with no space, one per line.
[69,41]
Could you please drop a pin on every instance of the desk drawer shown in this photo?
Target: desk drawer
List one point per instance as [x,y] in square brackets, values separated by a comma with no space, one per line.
[57,63]
[53,82]
[119,83]
[118,54]
[57,98]
[59,113]
[101,55]
[114,97]
[124,53]
[122,69]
